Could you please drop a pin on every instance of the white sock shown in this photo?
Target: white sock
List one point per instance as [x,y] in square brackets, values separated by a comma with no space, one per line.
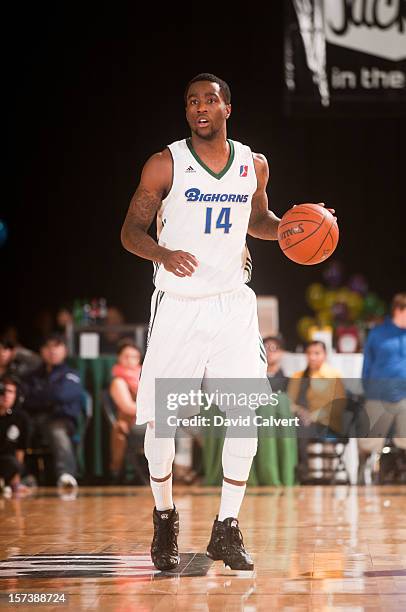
[162,492]
[231,500]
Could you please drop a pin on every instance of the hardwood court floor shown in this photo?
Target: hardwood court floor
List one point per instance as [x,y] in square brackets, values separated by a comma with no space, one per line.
[315,548]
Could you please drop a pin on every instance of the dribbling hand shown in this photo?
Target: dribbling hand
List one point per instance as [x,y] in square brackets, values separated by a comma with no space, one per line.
[331,210]
[180,263]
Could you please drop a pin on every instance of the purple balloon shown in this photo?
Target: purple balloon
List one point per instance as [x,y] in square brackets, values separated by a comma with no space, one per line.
[340,311]
[333,274]
[358,283]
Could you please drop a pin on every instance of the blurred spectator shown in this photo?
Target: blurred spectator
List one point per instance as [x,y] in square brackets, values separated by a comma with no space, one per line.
[10,333]
[110,339]
[318,398]
[384,380]
[64,319]
[6,355]
[14,433]
[123,391]
[53,401]
[15,359]
[274,353]
[114,316]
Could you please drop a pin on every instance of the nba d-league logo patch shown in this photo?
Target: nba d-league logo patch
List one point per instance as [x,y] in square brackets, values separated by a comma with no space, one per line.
[243,170]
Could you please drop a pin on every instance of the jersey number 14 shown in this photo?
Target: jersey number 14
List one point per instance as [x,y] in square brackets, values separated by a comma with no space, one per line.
[223,220]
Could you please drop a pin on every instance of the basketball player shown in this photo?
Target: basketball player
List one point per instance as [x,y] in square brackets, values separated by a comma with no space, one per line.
[208,192]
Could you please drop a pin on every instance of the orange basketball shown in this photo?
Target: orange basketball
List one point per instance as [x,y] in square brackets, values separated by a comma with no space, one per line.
[308,234]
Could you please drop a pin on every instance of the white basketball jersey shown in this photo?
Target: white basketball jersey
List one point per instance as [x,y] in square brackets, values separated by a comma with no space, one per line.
[207,214]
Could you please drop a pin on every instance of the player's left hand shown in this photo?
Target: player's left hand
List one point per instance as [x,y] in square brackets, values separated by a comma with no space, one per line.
[331,210]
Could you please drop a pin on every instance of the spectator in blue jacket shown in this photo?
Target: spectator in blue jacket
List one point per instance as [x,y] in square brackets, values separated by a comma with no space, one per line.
[384,380]
[53,396]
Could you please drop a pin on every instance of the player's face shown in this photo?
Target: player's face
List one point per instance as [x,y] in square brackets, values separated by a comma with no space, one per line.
[206,110]
[315,356]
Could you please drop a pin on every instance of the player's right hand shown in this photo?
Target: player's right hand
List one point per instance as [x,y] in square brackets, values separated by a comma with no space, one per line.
[180,263]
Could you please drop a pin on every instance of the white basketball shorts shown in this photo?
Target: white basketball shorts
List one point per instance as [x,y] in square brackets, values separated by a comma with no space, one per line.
[208,337]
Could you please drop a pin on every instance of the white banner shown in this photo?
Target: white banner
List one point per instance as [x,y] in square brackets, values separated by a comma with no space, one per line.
[340,53]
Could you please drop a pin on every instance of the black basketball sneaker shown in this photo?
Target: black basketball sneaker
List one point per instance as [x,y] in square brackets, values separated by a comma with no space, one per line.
[164,547]
[226,544]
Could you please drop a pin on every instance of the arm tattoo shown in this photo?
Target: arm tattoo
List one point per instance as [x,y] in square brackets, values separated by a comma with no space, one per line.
[134,234]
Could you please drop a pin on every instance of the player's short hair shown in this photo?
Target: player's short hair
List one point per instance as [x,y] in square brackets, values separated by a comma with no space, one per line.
[207,76]
[398,302]
[276,340]
[316,343]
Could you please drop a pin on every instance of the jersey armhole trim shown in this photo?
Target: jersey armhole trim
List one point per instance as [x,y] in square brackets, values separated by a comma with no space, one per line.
[255,171]
[173,177]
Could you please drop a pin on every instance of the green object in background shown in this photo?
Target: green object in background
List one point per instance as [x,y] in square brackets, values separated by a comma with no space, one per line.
[380,309]
[212,449]
[371,302]
[276,458]
[95,375]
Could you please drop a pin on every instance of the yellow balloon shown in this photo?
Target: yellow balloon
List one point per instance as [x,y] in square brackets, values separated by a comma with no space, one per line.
[324,317]
[330,298]
[343,295]
[315,296]
[355,304]
[303,326]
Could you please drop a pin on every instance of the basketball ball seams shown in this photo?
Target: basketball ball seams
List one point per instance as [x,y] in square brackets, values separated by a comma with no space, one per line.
[303,207]
[312,246]
[306,237]
[321,244]
[330,248]
[298,221]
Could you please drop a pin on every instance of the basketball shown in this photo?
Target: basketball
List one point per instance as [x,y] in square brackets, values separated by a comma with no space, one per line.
[308,234]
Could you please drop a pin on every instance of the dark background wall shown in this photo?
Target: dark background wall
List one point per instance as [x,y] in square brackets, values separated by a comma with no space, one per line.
[93,95]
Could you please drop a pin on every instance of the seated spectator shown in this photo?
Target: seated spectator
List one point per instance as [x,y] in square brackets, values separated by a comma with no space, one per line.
[274,353]
[10,333]
[318,398]
[64,319]
[53,396]
[123,391]
[14,432]
[15,359]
